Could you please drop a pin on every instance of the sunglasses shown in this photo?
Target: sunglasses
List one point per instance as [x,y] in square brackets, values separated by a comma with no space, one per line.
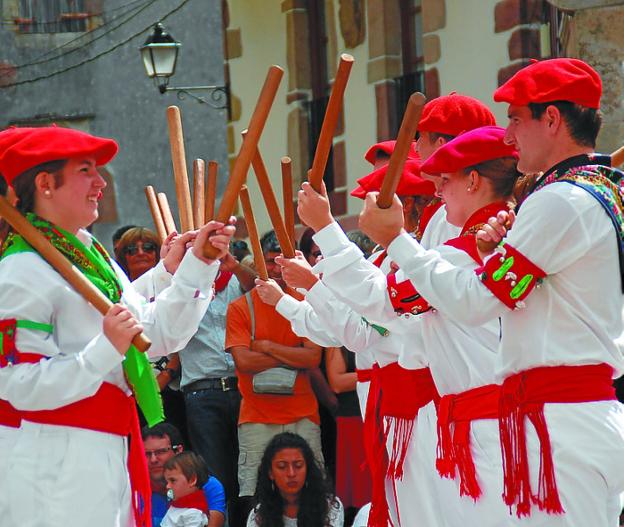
[148,247]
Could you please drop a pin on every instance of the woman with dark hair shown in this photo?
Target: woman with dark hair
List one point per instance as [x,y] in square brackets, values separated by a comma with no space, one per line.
[138,251]
[292,490]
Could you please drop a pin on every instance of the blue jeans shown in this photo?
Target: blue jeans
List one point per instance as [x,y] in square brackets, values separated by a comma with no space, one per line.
[212,420]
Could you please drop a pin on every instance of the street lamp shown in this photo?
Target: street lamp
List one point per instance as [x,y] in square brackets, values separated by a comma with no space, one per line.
[160,55]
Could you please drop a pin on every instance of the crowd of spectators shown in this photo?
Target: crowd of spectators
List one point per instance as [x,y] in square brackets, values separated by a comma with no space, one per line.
[253,401]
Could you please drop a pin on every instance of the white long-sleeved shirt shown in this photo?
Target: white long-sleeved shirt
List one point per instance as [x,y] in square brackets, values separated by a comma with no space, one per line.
[460,356]
[574,318]
[80,357]
[330,323]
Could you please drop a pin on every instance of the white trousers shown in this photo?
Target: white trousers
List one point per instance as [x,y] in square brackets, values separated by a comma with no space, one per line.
[61,476]
[587,441]
[412,499]
[8,439]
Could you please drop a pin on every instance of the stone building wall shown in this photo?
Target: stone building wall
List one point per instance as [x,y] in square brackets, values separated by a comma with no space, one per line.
[596,36]
[111,96]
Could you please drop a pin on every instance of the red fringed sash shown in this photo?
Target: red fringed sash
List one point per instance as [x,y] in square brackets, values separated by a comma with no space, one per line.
[394,398]
[453,451]
[524,395]
[374,448]
[404,392]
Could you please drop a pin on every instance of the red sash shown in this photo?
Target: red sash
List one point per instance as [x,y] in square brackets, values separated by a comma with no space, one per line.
[403,393]
[111,411]
[394,397]
[374,448]
[453,452]
[523,395]
[9,416]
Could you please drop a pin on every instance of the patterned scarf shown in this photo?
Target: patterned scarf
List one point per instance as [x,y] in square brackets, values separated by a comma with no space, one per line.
[94,262]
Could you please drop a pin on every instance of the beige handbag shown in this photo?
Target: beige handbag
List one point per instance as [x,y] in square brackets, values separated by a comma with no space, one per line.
[274,381]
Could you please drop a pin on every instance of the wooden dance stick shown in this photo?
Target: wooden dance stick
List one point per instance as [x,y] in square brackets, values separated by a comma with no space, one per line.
[155,210]
[252,230]
[247,150]
[165,211]
[406,135]
[271,203]
[287,191]
[211,190]
[62,265]
[617,157]
[199,208]
[178,156]
[332,112]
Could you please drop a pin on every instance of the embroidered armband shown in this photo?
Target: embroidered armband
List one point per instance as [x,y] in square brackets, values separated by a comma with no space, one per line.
[510,276]
[404,297]
[8,332]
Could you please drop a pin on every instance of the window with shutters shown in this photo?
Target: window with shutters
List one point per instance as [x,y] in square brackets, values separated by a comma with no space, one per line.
[51,16]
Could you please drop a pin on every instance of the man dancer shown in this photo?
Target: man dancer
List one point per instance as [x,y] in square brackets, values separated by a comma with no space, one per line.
[560,318]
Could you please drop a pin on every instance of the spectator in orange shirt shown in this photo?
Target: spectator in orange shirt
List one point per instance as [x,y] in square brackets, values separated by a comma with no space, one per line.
[258,344]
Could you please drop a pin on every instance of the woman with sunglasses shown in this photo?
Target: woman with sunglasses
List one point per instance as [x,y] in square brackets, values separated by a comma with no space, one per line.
[139,251]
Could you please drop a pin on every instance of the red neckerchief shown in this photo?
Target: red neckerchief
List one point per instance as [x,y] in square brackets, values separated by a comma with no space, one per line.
[222,280]
[467,239]
[194,500]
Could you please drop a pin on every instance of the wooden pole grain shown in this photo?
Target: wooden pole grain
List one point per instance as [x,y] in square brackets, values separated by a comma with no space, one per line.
[287,193]
[328,128]
[159,223]
[406,136]
[247,150]
[178,156]
[211,190]
[252,230]
[199,197]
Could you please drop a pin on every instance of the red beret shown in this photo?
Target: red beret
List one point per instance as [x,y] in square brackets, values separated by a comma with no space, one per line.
[553,80]
[25,150]
[410,184]
[388,148]
[453,114]
[473,147]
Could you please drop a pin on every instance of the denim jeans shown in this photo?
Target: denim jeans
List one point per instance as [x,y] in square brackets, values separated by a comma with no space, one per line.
[212,420]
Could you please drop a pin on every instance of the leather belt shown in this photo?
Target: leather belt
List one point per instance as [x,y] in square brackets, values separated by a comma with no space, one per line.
[222,384]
